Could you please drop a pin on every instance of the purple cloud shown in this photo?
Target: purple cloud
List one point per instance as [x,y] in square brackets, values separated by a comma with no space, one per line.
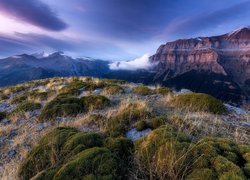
[34,12]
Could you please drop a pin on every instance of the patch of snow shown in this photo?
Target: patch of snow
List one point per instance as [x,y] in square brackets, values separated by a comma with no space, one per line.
[97,91]
[184,91]
[245,124]
[237,110]
[133,134]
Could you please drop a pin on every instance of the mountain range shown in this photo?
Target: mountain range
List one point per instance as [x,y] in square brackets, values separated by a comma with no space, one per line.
[218,65]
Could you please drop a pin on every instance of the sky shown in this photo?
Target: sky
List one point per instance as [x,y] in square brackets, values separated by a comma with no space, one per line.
[112,29]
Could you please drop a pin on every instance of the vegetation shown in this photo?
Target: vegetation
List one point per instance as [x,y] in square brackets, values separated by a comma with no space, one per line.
[117,124]
[27,106]
[198,102]
[93,102]
[163,91]
[2,115]
[66,105]
[168,154]
[19,99]
[66,153]
[113,89]
[42,96]
[142,90]
[62,105]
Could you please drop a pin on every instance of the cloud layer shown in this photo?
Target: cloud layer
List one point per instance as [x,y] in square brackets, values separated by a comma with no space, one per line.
[34,12]
[138,63]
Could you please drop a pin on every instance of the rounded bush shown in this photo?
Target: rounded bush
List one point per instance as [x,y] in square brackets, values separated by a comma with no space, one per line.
[27,106]
[142,90]
[157,122]
[198,102]
[113,89]
[163,91]
[141,125]
[66,153]
[93,102]
[61,106]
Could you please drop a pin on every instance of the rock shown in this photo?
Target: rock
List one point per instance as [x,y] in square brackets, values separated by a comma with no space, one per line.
[12,153]
[133,134]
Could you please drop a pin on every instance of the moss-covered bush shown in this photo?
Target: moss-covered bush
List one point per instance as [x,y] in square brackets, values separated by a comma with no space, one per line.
[142,90]
[163,91]
[113,89]
[118,124]
[2,115]
[74,88]
[141,125]
[62,105]
[198,102]
[66,153]
[19,99]
[27,106]
[156,122]
[94,102]
[42,96]
[168,154]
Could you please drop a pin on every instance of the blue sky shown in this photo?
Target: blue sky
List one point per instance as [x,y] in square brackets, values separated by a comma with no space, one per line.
[112,29]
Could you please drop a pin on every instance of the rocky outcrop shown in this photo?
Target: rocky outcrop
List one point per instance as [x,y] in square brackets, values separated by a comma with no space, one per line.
[226,55]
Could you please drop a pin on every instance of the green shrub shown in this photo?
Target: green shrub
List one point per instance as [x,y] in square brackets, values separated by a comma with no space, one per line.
[3,96]
[19,99]
[141,125]
[61,106]
[142,90]
[42,96]
[27,106]
[198,102]
[157,122]
[94,102]
[2,115]
[74,88]
[211,158]
[113,89]
[247,169]
[163,91]
[66,153]
[118,124]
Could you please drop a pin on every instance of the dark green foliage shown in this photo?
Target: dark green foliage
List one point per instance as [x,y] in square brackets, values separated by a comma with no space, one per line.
[118,124]
[94,102]
[42,96]
[163,91]
[62,105]
[198,102]
[141,125]
[142,90]
[74,88]
[27,106]
[2,115]
[113,89]
[19,99]
[66,153]
[211,158]
[157,122]
[3,96]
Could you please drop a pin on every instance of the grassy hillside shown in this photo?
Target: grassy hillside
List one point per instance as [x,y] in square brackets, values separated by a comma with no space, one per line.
[87,128]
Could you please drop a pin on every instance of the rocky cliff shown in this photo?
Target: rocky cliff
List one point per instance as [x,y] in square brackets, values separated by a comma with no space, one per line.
[227,56]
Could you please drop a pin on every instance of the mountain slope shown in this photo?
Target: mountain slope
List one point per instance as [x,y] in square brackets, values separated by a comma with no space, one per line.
[224,58]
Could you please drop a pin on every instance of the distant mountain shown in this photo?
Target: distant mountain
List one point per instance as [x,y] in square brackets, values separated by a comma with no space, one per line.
[21,68]
[218,65]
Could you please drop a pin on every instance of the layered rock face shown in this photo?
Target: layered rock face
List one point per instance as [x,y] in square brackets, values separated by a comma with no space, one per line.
[226,55]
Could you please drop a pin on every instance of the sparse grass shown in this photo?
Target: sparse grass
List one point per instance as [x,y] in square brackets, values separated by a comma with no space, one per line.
[142,90]
[19,99]
[198,102]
